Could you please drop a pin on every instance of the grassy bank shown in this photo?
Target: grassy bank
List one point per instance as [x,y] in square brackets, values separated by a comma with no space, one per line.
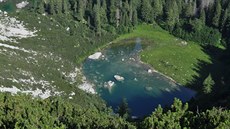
[167,54]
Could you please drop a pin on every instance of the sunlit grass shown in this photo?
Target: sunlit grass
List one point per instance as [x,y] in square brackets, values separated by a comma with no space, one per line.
[168,54]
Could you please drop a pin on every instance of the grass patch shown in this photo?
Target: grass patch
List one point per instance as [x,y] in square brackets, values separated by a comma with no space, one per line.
[168,54]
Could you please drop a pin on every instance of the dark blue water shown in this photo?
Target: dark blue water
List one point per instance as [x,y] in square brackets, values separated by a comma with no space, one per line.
[144,91]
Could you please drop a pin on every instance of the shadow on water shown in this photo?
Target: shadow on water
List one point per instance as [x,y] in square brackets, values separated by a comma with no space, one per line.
[219,71]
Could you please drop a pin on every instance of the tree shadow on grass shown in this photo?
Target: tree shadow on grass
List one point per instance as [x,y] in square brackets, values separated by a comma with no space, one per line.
[219,71]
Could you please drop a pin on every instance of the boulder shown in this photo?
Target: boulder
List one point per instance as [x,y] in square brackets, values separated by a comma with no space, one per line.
[119,78]
[22,4]
[95,56]
[109,84]
[150,71]
[148,88]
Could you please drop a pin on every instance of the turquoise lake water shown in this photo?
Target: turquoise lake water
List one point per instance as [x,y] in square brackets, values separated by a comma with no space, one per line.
[144,91]
[9,5]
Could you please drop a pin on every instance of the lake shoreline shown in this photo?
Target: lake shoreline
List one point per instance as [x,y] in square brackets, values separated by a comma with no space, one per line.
[140,61]
[156,71]
[134,79]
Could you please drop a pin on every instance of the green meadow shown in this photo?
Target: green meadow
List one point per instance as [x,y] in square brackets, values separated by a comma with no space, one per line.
[167,54]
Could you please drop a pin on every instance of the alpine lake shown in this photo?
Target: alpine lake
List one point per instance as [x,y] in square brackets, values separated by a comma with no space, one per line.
[119,74]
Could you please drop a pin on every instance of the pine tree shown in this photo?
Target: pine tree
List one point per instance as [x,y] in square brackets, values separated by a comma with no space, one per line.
[112,12]
[171,14]
[51,7]
[41,8]
[188,10]
[146,11]
[97,18]
[123,109]
[103,13]
[80,10]
[217,13]
[35,5]
[175,118]
[135,18]
[202,16]
[226,32]
[157,8]
[223,20]
[57,6]
[208,84]
[118,15]
[64,6]
[131,8]
[126,19]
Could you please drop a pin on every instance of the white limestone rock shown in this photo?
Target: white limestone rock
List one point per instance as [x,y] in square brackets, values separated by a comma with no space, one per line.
[22,4]
[109,84]
[119,78]
[150,71]
[95,56]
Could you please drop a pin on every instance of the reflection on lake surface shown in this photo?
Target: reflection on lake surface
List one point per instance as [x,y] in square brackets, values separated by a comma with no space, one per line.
[143,89]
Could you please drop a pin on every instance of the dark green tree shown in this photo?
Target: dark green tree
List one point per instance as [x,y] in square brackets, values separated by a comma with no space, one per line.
[146,11]
[97,17]
[208,84]
[65,8]
[175,118]
[51,7]
[157,8]
[112,12]
[41,8]
[216,13]
[80,10]
[123,109]
[135,18]
[188,10]
[103,13]
[202,16]
[171,14]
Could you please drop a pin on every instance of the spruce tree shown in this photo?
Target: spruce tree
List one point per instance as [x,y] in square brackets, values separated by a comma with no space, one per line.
[97,19]
[112,12]
[41,8]
[64,6]
[202,16]
[216,13]
[208,84]
[157,8]
[123,109]
[223,20]
[146,11]
[188,10]
[135,18]
[103,13]
[171,14]
[51,7]
[80,10]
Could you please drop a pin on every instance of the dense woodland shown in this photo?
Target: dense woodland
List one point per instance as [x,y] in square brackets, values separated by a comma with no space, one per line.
[57,113]
[199,20]
[206,22]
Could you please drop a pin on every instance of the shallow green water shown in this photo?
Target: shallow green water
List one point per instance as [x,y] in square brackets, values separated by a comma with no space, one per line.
[9,5]
[143,90]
